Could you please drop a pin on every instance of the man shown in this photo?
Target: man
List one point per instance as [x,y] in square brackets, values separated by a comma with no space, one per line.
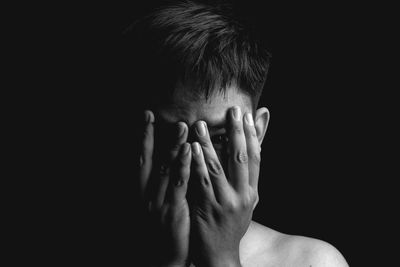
[200,157]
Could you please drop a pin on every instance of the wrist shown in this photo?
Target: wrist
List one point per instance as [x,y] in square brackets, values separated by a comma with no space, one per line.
[224,264]
[231,261]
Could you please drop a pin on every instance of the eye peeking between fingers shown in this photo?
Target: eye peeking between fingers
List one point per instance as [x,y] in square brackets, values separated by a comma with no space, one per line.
[219,141]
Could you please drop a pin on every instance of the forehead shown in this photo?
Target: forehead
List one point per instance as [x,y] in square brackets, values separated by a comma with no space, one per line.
[188,106]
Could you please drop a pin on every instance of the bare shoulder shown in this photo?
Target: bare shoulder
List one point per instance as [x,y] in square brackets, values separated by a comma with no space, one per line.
[267,247]
[305,251]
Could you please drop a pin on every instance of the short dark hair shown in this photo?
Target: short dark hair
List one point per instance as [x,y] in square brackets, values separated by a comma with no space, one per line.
[205,43]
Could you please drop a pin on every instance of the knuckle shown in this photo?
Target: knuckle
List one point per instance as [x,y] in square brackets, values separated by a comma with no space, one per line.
[164,170]
[144,162]
[237,129]
[253,196]
[241,157]
[239,205]
[205,143]
[214,167]
[202,176]
[232,206]
[204,181]
[256,199]
[247,202]
[179,181]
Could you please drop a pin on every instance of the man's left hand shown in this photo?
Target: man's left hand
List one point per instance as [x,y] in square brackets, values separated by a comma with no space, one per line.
[224,205]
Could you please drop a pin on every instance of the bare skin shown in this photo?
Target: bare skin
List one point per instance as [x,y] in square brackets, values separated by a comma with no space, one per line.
[201,206]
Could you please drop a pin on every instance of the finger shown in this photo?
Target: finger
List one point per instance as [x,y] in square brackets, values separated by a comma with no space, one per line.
[177,188]
[216,172]
[238,159]
[181,137]
[200,175]
[161,186]
[253,150]
[147,152]
[162,180]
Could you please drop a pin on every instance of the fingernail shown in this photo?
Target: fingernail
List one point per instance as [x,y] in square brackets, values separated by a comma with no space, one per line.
[249,119]
[196,148]
[164,170]
[236,113]
[148,117]
[201,128]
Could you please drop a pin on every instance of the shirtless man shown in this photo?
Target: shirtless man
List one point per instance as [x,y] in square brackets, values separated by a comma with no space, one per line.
[200,158]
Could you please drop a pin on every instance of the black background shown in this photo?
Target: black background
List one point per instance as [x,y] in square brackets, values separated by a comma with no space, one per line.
[322,154]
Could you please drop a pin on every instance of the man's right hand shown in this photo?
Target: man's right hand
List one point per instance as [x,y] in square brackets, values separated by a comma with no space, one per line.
[163,192]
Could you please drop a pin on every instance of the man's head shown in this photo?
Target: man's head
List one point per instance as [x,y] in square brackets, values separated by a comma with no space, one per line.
[196,61]
[197,44]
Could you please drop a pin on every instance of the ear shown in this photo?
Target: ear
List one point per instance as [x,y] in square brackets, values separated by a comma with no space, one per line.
[261,123]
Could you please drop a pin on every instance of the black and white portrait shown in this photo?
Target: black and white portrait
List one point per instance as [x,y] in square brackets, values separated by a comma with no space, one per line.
[203,133]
